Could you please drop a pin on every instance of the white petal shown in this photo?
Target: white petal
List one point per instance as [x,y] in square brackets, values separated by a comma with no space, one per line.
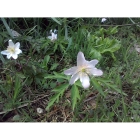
[5,52]
[17,45]
[18,51]
[80,59]
[55,36]
[15,56]
[84,80]
[9,56]
[74,78]
[71,71]
[93,62]
[51,31]
[50,37]
[55,30]
[11,43]
[95,72]
[103,19]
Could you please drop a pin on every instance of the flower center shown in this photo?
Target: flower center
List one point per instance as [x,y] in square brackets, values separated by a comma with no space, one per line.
[82,68]
[11,49]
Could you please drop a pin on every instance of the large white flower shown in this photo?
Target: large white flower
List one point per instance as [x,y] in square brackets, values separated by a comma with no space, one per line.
[83,70]
[12,50]
[53,35]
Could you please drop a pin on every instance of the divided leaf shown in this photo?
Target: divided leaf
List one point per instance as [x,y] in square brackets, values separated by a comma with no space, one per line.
[59,92]
[97,86]
[74,96]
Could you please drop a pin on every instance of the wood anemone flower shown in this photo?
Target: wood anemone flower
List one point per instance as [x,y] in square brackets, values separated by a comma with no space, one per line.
[53,35]
[12,50]
[83,70]
[103,20]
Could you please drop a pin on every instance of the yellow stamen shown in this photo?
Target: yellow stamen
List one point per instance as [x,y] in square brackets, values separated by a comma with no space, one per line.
[11,49]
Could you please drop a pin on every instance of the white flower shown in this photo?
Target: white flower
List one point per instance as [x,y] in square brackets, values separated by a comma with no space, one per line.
[53,35]
[103,20]
[83,70]
[12,50]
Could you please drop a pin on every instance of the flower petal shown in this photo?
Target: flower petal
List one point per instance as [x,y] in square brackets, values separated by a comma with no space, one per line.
[95,72]
[103,19]
[5,52]
[15,56]
[93,62]
[55,31]
[74,78]
[18,51]
[80,59]
[17,45]
[50,37]
[84,80]
[9,56]
[11,43]
[71,71]
[51,31]
[55,36]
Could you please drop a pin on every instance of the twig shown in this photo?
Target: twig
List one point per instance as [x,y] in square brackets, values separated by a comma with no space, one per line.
[90,98]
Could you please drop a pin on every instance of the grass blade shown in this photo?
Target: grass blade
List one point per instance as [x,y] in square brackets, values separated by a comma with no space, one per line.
[7,27]
[57,21]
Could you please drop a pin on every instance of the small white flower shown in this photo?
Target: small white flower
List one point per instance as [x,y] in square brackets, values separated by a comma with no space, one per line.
[83,70]
[12,50]
[39,110]
[103,20]
[53,35]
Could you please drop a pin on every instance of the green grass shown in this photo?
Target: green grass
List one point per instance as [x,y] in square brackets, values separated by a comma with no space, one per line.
[36,78]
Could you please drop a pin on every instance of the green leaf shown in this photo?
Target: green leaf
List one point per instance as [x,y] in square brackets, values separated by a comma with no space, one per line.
[113,48]
[22,76]
[109,84]
[50,77]
[56,76]
[47,58]
[114,30]
[96,54]
[97,86]
[33,29]
[7,27]
[34,69]
[74,96]
[59,75]
[53,100]
[54,66]
[60,88]
[17,87]
[78,83]
[56,20]
[4,91]
[2,59]
[66,30]
[56,97]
